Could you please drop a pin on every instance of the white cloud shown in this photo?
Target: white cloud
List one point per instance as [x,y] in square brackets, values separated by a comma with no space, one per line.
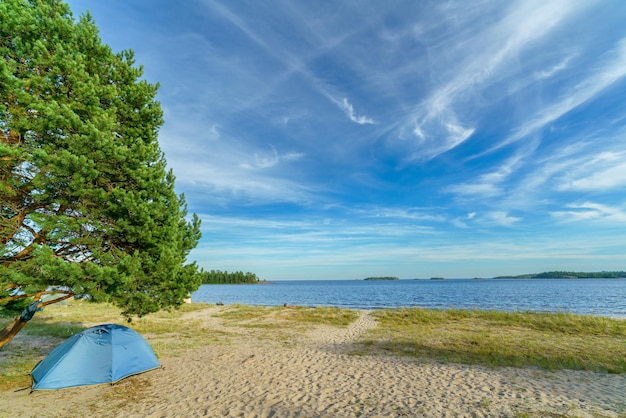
[214,132]
[314,232]
[462,221]
[229,170]
[470,67]
[271,159]
[458,134]
[594,84]
[490,184]
[437,134]
[602,172]
[501,218]
[409,214]
[590,211]
[480,188]
[349,109]
[555,69]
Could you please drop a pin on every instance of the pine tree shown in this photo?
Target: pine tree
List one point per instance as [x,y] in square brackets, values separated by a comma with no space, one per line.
[87,204]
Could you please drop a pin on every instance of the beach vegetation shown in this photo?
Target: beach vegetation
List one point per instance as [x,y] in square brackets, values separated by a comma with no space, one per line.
[321,315]
[485,403]
[265,316]
[245,313]
[493,338]
[87,205]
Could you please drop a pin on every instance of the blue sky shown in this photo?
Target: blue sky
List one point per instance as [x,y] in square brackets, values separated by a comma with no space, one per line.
[347,139]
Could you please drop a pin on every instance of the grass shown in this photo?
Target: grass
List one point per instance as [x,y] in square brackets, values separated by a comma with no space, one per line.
[320,316]
[548,341]
[249,316]
[259,316]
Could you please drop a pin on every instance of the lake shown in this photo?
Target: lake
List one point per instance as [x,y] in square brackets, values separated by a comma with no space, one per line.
[603,297]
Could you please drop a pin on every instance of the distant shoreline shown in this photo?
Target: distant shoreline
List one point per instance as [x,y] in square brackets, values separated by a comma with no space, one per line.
[544,275]
[569,275]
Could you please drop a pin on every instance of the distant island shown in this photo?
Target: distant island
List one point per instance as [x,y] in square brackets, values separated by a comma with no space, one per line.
[437,278]
[224,277]
[382,278]
[569,275]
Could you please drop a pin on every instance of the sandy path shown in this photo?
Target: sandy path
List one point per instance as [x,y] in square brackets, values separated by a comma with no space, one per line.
[314,376]
[341,339]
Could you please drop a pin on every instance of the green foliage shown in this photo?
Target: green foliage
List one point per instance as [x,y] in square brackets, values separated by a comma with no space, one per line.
[14,307]
[86,201]
[224,277]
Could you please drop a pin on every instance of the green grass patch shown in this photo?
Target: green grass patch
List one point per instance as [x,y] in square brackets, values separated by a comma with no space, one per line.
[549,341]
[59,330]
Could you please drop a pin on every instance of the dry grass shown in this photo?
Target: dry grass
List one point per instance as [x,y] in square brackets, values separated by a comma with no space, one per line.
[322,315]
[261,316]
[549,341]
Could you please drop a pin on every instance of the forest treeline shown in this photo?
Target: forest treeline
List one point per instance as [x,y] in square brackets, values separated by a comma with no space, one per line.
[570,275]
[224,277]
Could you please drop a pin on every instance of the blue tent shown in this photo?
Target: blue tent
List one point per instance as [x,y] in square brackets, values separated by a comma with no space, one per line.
[101,354]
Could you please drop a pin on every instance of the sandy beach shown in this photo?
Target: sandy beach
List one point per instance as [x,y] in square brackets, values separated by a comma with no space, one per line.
[314,375]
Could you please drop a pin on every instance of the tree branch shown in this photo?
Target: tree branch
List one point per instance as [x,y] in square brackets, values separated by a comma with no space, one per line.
[13,328]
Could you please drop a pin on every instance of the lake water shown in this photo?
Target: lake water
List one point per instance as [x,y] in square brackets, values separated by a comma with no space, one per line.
[604,297]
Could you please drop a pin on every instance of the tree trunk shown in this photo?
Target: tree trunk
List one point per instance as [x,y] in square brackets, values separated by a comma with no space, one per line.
[11,330]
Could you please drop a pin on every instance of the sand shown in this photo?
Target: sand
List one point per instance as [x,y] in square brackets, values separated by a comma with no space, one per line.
[315,376]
